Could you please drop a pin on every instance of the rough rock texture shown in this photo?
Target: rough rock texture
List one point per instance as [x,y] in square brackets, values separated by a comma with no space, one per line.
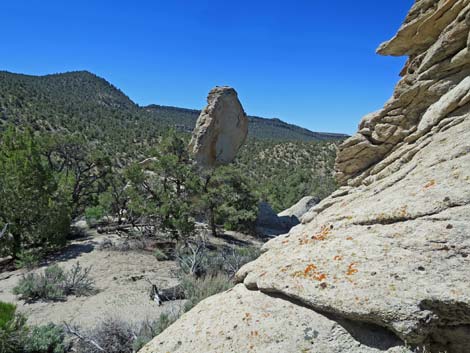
[391,247]
[241,320]
[220,130]
[434,86]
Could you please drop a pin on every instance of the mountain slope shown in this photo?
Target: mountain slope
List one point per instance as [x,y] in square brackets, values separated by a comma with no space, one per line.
[82,101]
[261,128]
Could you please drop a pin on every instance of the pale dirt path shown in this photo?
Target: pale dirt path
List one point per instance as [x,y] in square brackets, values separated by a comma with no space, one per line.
[119,277]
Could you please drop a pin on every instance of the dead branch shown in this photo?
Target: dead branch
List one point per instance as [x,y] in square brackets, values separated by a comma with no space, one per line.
[167,294]
[4,231]
[77,334]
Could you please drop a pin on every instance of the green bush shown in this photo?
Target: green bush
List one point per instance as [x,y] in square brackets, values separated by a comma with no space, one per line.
[46,286]
[46,339]
[77,281]
[32,202]
[198,289]
[94,214]
[7,313]
[13,329]
[28,259]
[55,284]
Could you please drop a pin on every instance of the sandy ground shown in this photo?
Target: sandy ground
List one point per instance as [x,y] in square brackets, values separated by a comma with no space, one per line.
[120,277]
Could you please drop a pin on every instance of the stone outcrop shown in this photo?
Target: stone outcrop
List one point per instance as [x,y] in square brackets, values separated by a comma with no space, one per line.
[435,35]
[299,209]
[383,263]
[220,130]
[270,224]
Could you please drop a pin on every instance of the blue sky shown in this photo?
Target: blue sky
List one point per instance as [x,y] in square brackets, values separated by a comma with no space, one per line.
[311,63]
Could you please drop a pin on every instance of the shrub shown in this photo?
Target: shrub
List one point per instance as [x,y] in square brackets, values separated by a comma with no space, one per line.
[7,313]
[46,339]
[112,335]
[235,258]
[55,284]
[160,255]
[32,202]
[198,289]
[149,329]
[13,329]
[77,281]
[27,259]
[46,286]
[197,260]
[116,336]
[93,215]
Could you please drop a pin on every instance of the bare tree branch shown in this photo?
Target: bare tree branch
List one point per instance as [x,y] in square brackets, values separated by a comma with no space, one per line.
[77,334]
[4,231]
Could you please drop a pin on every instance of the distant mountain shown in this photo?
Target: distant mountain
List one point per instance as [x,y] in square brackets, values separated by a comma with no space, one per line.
[262,128]
[81,101]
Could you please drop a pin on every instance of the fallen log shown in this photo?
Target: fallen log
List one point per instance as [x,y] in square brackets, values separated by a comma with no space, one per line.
[166,294]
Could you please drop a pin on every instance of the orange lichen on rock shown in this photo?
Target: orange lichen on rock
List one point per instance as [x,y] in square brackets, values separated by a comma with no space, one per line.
[323,234]
[310,272]
[338,258]
[351,269]
[309,268]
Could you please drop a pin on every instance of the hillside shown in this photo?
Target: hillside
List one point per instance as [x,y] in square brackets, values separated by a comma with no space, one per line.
[260,128]
[82,101]
[283,172]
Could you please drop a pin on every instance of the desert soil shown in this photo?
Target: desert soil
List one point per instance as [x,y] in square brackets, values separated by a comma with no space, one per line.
[120,277]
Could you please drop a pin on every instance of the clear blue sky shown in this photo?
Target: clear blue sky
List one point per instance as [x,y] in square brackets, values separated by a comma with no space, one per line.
[310,63]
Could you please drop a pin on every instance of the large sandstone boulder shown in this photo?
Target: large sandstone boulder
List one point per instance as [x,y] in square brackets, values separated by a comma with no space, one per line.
[391,248]
[220,130]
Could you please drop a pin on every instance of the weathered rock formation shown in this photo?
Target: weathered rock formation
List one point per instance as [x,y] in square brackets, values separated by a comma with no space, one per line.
[384,262]
[270,224]
[434,86]
[220,130]
[299,209]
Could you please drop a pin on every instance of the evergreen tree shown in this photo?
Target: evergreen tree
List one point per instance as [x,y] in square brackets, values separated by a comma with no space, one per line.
[229,200]
[32,209]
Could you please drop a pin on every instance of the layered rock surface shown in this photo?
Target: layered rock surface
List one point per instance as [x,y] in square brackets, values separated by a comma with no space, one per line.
[220,130]
[384,262]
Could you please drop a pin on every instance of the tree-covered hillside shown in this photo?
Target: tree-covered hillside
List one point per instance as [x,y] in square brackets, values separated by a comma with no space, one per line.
[82,101]
[284,172]
[284,162]
[259,128]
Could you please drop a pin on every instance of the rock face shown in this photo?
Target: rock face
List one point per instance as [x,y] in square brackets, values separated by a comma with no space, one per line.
[435,85]
[389,252]
[220,130]
[300,208]
[271,224]
[268,223]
